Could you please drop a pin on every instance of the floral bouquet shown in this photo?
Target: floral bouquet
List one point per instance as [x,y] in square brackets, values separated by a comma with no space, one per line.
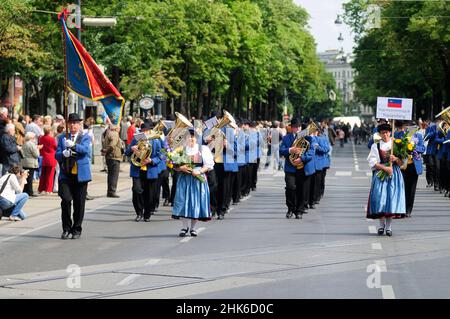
[177,158]
[404,148]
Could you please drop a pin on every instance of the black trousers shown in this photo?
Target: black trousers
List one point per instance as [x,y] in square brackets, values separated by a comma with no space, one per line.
[28,188]
[410,178]
[212,184]
[223,187]
[113,175]
[295,191]
[70,190]
[322,186]
[443,174]
[436,169]
[173,190]
[144,195]
[429,169]
[317,187]
[311,190]
[246,180]
[164,184]
[236,186]
[254,172]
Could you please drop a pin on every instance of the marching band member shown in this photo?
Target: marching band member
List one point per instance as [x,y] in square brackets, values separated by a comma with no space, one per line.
[192,195]
[296,179]
[430,136]
[240,160]
[323,159]
[447,148]
[145,177]
[387,196]
[247,175]
[441,156]
[414,168]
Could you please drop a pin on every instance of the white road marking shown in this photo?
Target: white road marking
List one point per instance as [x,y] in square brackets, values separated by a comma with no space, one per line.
[372,229]
[377,246]
[152,262]
[388,292]
[343,173]
[382,265]
[128,280]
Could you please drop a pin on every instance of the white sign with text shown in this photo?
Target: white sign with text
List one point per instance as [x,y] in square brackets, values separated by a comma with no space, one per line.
[394,108]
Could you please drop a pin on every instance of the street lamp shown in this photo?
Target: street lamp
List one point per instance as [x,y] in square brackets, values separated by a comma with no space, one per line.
[338,20]
[340,38]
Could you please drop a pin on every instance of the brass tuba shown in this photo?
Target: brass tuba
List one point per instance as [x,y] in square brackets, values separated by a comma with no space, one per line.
[177,134]
[219,136]
[444,126]
[144,148]
[302,143]
[445,115]
[160,127]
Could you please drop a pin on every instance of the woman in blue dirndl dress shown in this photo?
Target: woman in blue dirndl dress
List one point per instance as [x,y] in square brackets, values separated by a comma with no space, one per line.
[192,196]
[387,197]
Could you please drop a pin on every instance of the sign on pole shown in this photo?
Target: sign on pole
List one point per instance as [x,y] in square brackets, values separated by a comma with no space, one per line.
[394,108]
[146,103]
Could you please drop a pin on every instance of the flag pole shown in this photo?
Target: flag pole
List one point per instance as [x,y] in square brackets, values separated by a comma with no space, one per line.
[66,95]
[392,139]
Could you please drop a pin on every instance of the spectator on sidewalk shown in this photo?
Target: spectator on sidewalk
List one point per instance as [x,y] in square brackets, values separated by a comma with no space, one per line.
[30,152]
[3,121]
[20,131]
[12,194]
[35,127]
[48,151]
[10,151]
[59,131]
[112,150]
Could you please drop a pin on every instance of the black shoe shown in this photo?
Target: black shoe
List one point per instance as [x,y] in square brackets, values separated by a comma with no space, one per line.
[436,188]
[76,235]
[380,231]
[89,197]
[146,220]
[408,215]
[166,203]
[388,232]
[183,232]
[65,235]
[138,218]
[289,214]
[113,195]
[312,206]
[298,216]
[220,216]
[194,233]
[430,185]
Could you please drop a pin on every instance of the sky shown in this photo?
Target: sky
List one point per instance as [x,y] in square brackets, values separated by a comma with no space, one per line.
[322,15]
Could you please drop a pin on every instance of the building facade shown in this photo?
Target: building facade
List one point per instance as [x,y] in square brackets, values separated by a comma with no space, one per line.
[339,65]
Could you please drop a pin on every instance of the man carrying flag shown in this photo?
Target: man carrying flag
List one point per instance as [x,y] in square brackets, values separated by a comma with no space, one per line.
[83,77]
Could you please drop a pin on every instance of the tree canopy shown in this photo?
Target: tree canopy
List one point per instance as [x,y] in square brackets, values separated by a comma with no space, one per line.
[200,55]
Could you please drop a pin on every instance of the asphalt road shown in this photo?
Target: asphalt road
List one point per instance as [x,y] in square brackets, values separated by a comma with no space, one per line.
[255,252]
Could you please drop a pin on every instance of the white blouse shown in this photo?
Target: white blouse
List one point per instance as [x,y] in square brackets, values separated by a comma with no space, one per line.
[207,157]
[374,156]
[12,187]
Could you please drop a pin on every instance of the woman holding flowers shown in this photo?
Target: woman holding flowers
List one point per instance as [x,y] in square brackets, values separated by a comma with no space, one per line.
[192,193]
[387,193]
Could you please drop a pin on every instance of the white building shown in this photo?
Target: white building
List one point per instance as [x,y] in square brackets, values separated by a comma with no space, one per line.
[339,65]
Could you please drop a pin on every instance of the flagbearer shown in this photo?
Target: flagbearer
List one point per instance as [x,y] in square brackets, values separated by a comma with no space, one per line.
[72,155]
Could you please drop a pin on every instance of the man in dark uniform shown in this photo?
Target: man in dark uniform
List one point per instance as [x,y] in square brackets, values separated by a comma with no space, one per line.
[296,178]
[72,155]
[145,177]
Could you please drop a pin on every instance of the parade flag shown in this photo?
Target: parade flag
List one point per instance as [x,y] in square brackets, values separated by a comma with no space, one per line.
[85,78]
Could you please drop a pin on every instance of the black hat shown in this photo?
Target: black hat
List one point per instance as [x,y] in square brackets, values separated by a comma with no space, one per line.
[384,127]
[147,125]
[74,117]
[191,130]
[246,122]
[295,122]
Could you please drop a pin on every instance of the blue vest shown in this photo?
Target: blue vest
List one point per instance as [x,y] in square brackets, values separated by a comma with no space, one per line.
[430,133]
[152,168]
[307,158]
[83,160]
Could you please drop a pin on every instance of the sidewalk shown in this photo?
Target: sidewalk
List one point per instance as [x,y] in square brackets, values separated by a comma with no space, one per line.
[97,188]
